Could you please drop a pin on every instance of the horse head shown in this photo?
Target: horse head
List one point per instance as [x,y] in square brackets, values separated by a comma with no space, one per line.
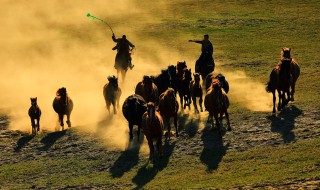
[113,80]
[187,74]
[170,98]
[147,83]
[224,83]
[151,111]
[34,103]
[285,53]
[196,78]
[181,66]
[62,93]
[172,70]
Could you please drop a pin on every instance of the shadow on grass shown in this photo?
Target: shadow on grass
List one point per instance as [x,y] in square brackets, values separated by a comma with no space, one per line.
[23,141]
[146,174]
[50,139]
[128,158]
[283,123]
[214,148]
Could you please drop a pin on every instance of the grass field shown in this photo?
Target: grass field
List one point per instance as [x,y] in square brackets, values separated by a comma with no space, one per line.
[262,151]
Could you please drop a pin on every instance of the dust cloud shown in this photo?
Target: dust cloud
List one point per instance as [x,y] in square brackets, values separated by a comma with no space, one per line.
[46,45]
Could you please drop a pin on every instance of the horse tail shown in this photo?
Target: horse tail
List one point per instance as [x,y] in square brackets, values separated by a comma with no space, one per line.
[271,85]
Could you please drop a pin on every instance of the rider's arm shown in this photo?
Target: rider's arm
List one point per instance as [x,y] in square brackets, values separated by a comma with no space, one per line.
[114,38]
[130,44]
[196,41]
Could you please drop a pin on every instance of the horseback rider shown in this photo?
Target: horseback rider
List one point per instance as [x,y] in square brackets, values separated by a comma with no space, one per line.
[206,51]
[123,45]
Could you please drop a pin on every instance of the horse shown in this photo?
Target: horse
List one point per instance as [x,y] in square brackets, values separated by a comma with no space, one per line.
[180,69]
[133,108]
[220,77]
[122,63]
[162,81]
[294,69]
[183,88]
[34,114]
[205,66]
[196,91]
[148,90]
[152,125]
[279,81]
[63,105]
[173,77]
[216,102]
[168,107]
[112,93]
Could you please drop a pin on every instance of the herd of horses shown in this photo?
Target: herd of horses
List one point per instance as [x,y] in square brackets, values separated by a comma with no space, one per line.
[154,102]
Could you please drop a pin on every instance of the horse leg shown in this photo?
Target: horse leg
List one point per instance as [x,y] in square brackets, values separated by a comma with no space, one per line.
[200,103]
[217,123]
[61,120]
[195,105]
[159,146]
[114,107]
[33,125]
[175,118]
[138,132]
[228,121]
[130,131]
[274,101]
[38,124]
[279,101]
[68,120]
[169,127]
[123,73]
[181,102]
[108,106]
[293,87]
[150,143]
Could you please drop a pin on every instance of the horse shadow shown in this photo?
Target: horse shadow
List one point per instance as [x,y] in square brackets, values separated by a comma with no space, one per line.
[283,123]
[50,139]
[128,158]
[191,128]
[23,141]
[213,150]
[146,174]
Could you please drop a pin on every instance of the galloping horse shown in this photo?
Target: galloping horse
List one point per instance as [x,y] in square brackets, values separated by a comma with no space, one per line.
[162,81]
[294,69]
[63,105]
[279,81]
[34,114]
[148,90]
[216,102]
[152,125]
[205,67]
[196,91]
[133,108]
[168,107]
[112,93]
[122,63]
[183,88]
[173,77]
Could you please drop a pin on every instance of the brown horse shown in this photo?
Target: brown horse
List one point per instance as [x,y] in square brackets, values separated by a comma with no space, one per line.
[148,90]
[220,77]
[294,69]
[168,107]
[63,105]
[216,102]
[34,114]
[196,91]
[183,88]
[152,126]
[112,93]
[279,81]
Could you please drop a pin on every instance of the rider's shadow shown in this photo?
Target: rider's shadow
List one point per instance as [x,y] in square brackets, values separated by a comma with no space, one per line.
[284,122]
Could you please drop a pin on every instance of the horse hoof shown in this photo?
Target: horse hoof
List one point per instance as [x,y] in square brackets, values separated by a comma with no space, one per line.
[229,129]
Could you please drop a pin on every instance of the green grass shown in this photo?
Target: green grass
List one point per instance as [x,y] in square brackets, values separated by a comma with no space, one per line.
[215,168]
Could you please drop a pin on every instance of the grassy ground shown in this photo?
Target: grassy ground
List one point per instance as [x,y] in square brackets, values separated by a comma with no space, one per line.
[262,151]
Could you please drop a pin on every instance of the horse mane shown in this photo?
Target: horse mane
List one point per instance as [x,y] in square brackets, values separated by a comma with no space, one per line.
[215,82]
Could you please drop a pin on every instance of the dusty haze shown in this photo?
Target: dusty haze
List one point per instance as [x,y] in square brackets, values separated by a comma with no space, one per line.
[46,45]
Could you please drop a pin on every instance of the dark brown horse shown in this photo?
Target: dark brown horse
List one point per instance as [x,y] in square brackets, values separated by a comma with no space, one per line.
[196,92]
[152,125]
[183,88]
[34,114]
[148,90]
[173,77]
[122,63]
[216,102]
[63,105]
[168,107]
[279,81]
[133,108]
[294,69]
[112,93]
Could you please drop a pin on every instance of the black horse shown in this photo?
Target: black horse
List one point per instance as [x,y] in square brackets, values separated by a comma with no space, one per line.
[122,63]
[205,66]
[133,108]
[63,105]
[162,81]
[172,70]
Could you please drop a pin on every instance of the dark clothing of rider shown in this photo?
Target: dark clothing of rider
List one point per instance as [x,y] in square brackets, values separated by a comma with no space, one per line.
[206,51]
[123,46]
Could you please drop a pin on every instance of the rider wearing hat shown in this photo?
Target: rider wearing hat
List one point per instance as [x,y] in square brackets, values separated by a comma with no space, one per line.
[123,45]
